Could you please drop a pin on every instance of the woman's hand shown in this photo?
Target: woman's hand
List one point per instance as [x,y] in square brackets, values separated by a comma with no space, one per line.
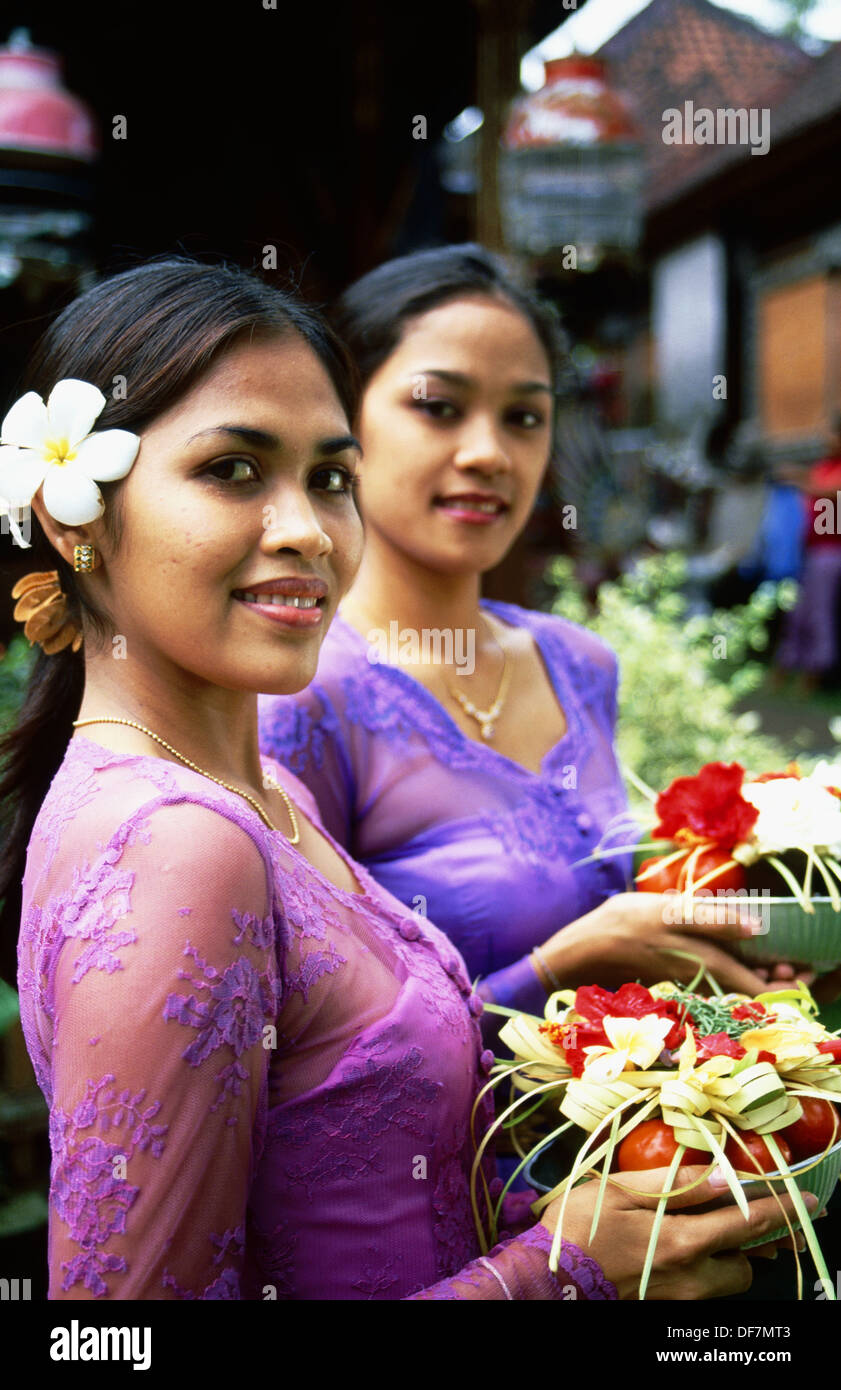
[697,1253]
[825,988]
[631,936]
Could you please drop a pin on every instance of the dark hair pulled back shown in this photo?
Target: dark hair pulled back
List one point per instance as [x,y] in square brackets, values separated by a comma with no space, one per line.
[372,314]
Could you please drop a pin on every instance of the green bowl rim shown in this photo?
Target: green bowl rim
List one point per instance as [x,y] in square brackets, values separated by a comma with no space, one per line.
[758,1182]
[794,1169]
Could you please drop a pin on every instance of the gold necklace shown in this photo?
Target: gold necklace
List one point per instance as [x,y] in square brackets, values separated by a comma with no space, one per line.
[485,718]
[273,786]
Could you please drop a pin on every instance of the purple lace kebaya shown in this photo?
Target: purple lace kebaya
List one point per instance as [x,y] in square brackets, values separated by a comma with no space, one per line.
[452,828]
[259,1084]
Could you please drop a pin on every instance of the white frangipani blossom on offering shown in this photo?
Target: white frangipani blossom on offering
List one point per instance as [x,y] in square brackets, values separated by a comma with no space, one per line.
[794,812]
[54,444]
[637,1041]
[826,774]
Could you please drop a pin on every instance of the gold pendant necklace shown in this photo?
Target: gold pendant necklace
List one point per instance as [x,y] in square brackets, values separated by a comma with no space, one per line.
[485,718]
[273,786]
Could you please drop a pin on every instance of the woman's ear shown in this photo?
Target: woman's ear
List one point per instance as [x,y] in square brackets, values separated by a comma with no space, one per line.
[63,538]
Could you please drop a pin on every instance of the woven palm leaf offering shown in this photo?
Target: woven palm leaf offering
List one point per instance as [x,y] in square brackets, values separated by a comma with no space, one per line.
[656,1078]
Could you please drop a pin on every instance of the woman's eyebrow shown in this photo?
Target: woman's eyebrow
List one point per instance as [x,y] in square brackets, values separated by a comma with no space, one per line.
[461,379]
[260,438]
[339,443]
[264,439]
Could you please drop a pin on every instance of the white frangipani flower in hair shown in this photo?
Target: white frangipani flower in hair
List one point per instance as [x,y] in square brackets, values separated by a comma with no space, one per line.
[53,444]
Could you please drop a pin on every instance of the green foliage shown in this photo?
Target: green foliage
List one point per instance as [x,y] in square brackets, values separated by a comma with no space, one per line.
[9,1011]
[797,12]
[15,667]
[681,677]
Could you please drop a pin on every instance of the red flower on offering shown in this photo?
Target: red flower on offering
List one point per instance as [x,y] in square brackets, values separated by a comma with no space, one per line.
[722,1045]
[754,1012]
[717,1045]
[833,1047]
[629,1001]
[572,1038]
[710,804]
[578,1037]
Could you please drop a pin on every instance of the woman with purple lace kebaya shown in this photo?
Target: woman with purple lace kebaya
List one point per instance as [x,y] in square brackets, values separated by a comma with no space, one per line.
[259,1064]
[462,749]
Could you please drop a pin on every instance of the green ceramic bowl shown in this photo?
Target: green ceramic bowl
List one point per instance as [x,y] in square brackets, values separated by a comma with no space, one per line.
[794,935]
[820,1179]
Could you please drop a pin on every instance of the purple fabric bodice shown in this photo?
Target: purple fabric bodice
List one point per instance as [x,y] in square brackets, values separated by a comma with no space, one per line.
[259,1084]
[480,844]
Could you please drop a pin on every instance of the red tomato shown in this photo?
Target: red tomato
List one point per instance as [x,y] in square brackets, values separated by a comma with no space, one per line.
[761,1159]
[734,877]
[817,1127]
[662,879]
[652,1145]
[674,874]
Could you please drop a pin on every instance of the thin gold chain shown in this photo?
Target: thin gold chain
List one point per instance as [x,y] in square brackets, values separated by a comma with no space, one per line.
[293,838]
[484,718]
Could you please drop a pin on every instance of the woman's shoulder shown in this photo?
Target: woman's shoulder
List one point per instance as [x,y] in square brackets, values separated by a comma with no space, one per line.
[101,803]
[133,864]
[579,646]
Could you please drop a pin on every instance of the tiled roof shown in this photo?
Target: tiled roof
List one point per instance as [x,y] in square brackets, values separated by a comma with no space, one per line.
[690,50]
[795,107]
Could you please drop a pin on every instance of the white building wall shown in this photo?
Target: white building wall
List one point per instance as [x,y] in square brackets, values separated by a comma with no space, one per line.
[689,327]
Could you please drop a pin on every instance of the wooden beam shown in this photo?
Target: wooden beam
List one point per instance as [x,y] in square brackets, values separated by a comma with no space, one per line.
[499,50]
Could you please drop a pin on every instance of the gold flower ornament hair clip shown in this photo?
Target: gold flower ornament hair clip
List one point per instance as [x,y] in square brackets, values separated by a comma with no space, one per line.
[55,446]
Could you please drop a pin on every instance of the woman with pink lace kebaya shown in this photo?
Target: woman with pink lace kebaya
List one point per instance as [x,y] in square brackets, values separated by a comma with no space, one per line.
[259,1064]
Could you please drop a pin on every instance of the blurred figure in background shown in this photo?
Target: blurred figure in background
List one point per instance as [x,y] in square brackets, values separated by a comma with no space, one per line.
[809,643]
[722,574]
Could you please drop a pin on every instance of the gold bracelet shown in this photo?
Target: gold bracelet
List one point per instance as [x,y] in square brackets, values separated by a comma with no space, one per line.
[547,971]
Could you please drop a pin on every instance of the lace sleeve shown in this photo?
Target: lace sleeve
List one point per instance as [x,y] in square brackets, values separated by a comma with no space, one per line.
[518,1269]
[305,734]
[165,978]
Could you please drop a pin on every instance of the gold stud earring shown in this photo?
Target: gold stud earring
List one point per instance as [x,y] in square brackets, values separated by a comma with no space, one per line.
[84,558]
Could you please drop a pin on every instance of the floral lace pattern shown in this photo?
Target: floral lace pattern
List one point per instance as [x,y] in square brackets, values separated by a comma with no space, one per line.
[230,1246]
[259,1084]
[88,1198]
[231,1012]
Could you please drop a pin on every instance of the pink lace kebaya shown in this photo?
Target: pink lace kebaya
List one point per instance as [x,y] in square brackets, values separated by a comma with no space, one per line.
[259,1083]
